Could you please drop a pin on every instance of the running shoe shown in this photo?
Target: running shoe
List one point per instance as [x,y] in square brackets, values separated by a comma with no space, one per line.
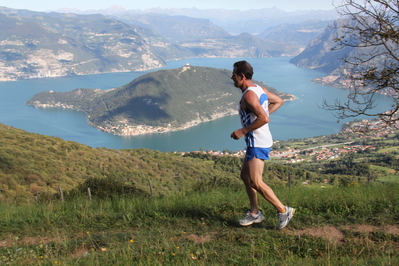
[285,217]
[251,218]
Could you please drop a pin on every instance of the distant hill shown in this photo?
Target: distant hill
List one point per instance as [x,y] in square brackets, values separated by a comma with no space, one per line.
[167,50]
[243,45]
[299,33]
[160,101]
[257,21]
[175,28]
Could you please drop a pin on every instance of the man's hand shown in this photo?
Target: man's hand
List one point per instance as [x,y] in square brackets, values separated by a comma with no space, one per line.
[237,134]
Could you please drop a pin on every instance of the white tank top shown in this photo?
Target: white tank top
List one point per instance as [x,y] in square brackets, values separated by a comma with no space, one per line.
[261,137]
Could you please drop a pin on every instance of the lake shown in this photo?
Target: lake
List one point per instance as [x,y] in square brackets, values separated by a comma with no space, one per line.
[297,119]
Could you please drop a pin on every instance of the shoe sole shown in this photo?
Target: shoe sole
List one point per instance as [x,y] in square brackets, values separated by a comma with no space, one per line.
[252,222]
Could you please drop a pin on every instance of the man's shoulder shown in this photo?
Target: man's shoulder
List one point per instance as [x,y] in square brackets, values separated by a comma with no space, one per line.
[258,90]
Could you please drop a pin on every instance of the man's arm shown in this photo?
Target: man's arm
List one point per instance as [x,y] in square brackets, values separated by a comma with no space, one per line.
[251,102]
[275,101]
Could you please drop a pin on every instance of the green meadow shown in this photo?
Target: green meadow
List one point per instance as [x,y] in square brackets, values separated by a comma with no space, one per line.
[334,225]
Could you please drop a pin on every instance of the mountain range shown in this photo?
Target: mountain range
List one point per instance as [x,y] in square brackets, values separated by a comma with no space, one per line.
[40,44]
[51,44]
[253,21]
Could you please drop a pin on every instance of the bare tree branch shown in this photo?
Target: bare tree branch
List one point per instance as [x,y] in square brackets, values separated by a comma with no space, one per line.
[371,27]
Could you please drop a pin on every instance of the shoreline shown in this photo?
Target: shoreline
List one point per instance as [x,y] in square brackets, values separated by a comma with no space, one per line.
[136,130]
[128,130]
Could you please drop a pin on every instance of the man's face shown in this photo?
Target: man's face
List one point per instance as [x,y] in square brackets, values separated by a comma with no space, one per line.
[237,79]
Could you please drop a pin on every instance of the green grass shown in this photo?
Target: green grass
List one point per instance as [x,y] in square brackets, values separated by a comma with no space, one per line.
[389,179]
[381,168]
[202,229]
[389,149]
[317,186]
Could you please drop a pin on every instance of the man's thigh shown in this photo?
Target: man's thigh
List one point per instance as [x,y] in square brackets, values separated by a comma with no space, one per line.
[253,169]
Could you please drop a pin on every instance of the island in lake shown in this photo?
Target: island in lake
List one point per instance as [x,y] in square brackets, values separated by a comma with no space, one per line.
[160,101]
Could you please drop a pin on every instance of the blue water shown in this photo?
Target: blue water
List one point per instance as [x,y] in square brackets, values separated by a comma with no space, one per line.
[297,119]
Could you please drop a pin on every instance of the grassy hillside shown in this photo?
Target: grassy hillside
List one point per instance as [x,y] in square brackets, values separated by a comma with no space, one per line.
[32,164]
[36,165]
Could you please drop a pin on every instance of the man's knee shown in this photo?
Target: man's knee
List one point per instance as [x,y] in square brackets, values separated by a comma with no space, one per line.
[257,185]
[246,180]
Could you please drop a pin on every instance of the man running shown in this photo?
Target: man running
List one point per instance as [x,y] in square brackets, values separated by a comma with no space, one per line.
[254,108]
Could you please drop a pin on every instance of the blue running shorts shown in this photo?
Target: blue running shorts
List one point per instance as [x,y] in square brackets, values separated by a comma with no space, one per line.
[260,153]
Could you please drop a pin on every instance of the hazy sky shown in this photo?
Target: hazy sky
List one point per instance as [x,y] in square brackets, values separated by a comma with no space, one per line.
[288,5]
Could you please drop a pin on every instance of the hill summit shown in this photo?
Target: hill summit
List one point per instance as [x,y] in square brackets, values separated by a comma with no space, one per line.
[160,101]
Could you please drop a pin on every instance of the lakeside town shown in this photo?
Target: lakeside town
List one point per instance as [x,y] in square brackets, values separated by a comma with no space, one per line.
[362,129]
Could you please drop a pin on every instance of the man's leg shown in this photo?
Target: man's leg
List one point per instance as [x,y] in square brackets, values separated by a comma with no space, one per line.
[252,194]
[254,215]
[252,175]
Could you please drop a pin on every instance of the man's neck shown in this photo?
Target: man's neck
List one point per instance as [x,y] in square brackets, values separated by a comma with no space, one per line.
[248,83]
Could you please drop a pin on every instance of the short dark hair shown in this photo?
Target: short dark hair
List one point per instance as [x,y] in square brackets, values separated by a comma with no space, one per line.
[243,67]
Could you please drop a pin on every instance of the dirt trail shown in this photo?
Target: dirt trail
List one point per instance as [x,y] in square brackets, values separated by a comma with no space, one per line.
[338,233]
[332,233]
